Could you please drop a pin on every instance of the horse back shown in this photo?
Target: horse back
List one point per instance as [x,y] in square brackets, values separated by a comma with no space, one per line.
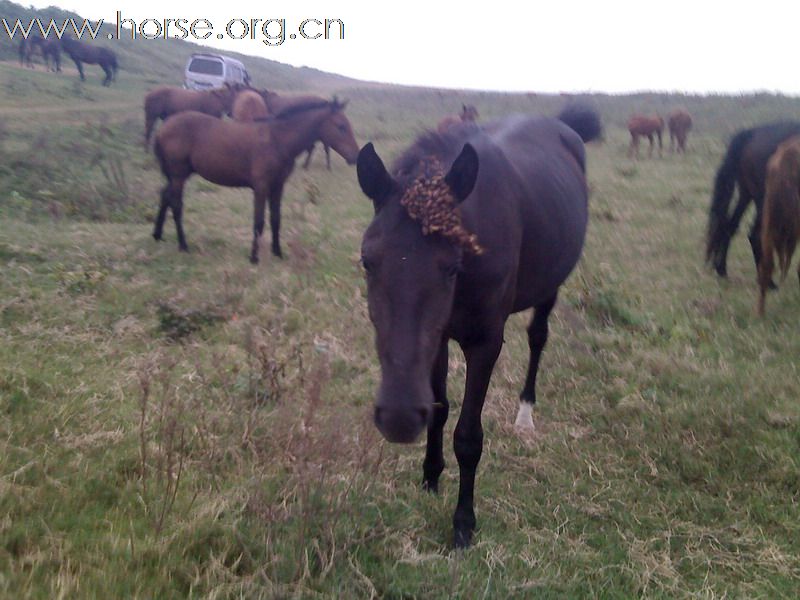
[533,200]
[759,146]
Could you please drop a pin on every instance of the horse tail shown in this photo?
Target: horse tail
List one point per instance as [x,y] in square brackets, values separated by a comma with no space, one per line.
[718,219]
[582,119]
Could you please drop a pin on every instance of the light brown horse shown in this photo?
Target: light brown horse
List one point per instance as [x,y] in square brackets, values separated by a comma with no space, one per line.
[679,123]
[259,156]
[469,114]
[167,100]
[642,126]
[780,224]
[249,106]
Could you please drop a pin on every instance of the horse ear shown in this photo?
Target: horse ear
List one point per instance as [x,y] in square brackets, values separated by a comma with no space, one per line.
[374,179]
[463,174]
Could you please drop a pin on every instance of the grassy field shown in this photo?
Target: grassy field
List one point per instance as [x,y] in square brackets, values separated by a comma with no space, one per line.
[178,425]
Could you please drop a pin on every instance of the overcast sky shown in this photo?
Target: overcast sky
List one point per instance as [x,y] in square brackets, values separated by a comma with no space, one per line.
[547,46]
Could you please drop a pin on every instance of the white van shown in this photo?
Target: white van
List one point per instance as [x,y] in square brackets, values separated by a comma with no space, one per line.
[206,71]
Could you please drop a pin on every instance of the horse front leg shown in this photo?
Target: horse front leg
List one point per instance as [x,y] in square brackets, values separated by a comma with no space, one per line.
[80,69]
[433,464]
[275,217]
[468,437]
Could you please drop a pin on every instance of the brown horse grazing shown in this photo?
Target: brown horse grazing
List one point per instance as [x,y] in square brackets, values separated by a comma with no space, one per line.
[745,165]
[679,123]
[259,156]
[469,114]
[471,225]
[167,100]
[641,126]
[780,226]
[81,52]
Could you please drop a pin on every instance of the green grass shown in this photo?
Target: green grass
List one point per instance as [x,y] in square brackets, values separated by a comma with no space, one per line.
[180,425]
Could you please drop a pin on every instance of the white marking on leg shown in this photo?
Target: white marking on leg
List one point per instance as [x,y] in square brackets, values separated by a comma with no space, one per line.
[524,420]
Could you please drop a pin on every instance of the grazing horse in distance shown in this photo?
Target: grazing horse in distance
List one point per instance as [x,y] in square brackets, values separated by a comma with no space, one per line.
[780,225]
[642,126]
[469,114]
[81,52]
[259,156]
[164,101]
[745,165]
[679,123]
[470,226]
[25,52]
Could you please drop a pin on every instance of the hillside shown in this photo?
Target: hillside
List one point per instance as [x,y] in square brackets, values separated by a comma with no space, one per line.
[163,61]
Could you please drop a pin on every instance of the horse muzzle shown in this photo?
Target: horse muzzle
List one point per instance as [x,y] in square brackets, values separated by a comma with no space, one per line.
[401,425]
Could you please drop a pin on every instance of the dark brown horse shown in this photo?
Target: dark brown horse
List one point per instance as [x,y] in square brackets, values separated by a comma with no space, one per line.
[164,101]
[50,50]
[780,227]
[25,52]
[259,156]
[81,52]
[649,127]
[745,165]
[470,226]
[469,114]
[679,123]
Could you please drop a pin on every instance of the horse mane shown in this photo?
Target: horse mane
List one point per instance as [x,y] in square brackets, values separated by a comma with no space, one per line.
[291,111]
[431,143]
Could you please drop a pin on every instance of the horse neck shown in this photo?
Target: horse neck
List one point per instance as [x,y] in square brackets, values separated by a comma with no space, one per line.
[295,134]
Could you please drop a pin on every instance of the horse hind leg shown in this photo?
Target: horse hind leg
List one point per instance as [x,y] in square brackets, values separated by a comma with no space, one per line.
[755,242]
[537,338]
[158,230]
[765,269]
[109,74]
[176,204]
[634,146]
[308,156]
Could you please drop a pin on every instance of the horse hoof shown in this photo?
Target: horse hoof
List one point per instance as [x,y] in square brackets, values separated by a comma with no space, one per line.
[772,285]
[432,487]
[184,248]
[463,539]
[253,260]
[157,237]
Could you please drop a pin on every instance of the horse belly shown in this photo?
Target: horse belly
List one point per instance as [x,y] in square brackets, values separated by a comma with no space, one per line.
[227,172]
[552,242]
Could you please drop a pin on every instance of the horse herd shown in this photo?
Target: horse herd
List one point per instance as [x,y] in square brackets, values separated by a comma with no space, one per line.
[472,223]
[80,53]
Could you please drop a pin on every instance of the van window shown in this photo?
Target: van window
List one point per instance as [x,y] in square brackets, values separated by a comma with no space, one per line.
[205,66]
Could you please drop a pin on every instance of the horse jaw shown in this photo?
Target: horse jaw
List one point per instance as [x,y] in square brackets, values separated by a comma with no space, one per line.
[524,422]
